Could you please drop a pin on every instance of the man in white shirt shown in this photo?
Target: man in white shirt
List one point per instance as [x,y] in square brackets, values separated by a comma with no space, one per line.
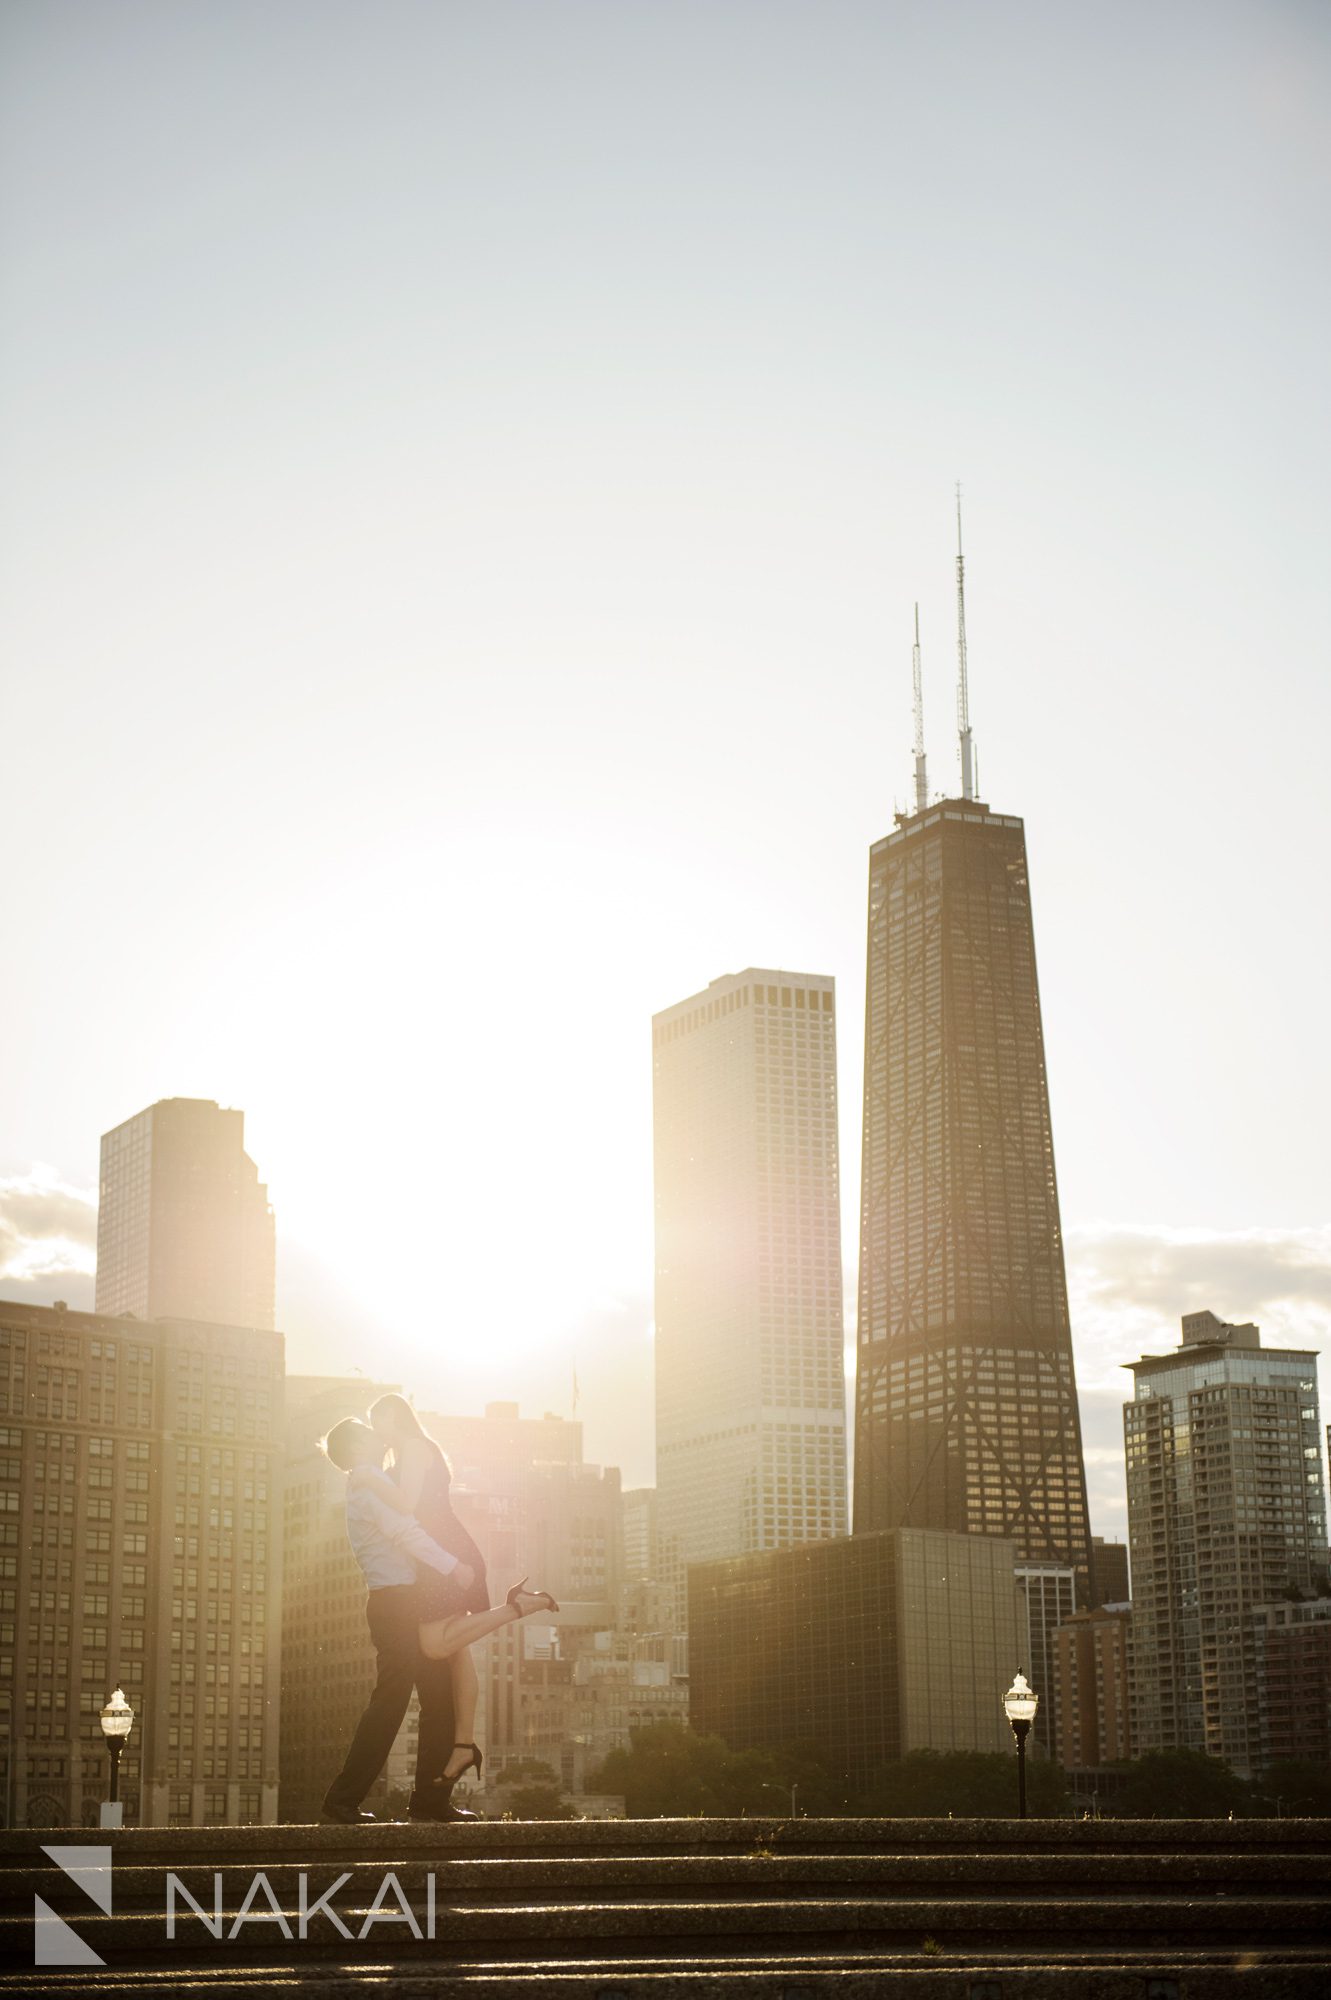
[389,1546]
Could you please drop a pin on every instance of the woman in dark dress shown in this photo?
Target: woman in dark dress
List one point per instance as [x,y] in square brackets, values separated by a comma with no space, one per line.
[456,1609]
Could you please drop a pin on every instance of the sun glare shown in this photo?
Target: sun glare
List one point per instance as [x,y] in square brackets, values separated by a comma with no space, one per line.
[470,1181]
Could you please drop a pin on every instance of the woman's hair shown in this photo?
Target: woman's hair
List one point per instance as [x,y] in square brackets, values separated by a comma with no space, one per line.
[399,1412]
[339,1446]
[404,1421]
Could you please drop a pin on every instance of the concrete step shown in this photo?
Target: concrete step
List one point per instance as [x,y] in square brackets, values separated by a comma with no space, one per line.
[572,1838]
[1039,1924]
[1185,1975]
[613,1877]
[773,1910]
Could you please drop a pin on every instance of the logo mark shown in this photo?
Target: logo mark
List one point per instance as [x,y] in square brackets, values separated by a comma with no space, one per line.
[54,1942]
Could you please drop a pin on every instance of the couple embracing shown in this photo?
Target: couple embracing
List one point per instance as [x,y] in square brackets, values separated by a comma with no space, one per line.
[428,1604]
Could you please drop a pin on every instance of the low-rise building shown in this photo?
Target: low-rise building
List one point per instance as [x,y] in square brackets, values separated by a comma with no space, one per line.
[872,1646]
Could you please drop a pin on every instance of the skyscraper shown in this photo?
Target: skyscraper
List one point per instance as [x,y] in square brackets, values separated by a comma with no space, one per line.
[750,1384]
[1226,1512]
[966,1406]
[184,1229]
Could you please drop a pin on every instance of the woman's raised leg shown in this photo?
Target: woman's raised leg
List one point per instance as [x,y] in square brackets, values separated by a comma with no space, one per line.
[441,1638]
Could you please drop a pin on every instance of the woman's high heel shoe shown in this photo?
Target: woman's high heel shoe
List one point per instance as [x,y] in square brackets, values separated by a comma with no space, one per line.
[544,1601]
[473,1763]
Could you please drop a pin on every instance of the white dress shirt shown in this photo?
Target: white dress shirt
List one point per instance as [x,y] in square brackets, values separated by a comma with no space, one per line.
[387,1544]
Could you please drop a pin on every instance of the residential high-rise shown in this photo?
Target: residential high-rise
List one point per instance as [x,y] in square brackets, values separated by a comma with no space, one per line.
[750,1382]
[966,1405]
[1226,1512]
[140,1490]
[184,1230]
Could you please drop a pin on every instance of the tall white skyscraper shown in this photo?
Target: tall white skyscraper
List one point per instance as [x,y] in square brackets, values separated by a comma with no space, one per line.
[750,1382]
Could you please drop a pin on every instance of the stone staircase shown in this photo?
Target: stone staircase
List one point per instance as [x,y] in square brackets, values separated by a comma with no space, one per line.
[610,1909]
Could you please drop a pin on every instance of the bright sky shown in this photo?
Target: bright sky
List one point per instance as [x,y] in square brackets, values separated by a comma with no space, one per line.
[467,469]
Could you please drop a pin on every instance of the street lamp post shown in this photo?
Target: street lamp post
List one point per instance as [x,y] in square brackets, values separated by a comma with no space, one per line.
[117,1721]
[1019,1705]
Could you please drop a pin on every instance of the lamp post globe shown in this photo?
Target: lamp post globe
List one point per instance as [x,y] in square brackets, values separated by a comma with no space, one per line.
[1019,1705]
[117,1721]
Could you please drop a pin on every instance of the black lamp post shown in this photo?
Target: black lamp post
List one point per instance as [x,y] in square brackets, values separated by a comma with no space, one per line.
[1020,1704]
[117,1721]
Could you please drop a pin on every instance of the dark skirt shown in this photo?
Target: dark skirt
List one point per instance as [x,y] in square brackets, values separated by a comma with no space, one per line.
[435,1513]
[440,1597]
[440,1591]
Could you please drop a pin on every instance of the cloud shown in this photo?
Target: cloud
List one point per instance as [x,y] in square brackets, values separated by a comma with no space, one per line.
[1129,1285]
[48,1237]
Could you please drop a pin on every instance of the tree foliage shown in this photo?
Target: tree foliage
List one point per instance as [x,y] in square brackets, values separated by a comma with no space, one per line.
[1179,1784]
[669,1770]
[930,1784]
[1298,1791]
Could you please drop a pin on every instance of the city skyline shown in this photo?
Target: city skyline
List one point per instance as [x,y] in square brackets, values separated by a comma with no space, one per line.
[426,497]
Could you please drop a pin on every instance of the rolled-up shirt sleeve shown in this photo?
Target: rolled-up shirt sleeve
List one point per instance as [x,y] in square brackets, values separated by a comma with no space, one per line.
[407,1534]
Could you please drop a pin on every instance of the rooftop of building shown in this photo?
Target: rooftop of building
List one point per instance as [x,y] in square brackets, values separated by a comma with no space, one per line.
[1205,1335]
[752,975]
[20,1312]
[977,810]
[184,1106]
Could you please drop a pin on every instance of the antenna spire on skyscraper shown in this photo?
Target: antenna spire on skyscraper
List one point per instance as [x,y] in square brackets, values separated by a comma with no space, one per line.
[921,781]
[963,691]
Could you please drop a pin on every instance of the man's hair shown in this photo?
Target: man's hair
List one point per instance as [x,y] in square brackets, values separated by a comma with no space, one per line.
[339,1445]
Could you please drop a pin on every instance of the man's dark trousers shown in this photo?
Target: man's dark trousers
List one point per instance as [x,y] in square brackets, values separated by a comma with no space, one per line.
[394,1621]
